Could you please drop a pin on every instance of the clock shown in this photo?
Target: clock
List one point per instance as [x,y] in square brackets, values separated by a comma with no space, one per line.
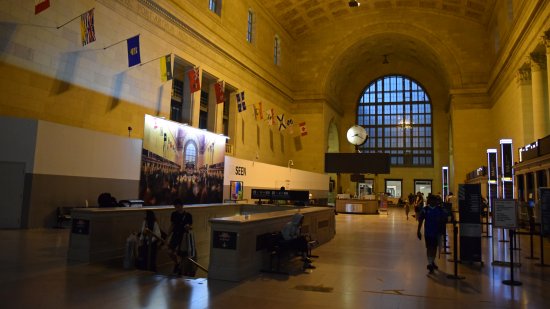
[357,135]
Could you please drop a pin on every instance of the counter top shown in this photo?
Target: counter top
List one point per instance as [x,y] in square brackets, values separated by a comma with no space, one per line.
[256,217]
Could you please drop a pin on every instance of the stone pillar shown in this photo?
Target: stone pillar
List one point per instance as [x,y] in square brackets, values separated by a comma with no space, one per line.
[541,113]
[546,43]
[523,79]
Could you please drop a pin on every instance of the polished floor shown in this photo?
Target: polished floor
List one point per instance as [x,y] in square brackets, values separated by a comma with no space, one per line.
[374,261]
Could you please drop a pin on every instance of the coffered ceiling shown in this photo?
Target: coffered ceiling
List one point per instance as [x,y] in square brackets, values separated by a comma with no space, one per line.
[299,17]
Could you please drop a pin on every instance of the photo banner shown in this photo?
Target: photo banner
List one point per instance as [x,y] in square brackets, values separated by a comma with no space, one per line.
[180,162]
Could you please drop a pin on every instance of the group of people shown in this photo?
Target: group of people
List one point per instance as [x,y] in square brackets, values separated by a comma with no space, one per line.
[180,241]
[161,184]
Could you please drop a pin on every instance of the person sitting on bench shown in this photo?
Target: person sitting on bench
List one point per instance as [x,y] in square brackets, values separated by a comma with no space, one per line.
[293,237]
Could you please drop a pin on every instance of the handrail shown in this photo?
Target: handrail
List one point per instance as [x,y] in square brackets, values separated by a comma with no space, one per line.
[197,264]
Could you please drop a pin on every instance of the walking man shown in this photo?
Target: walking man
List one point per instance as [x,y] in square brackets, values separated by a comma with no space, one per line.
[434,219]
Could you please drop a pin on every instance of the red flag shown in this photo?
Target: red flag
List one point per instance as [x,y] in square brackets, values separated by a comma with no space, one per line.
[194,81]
[41,5]
[303,129]
[220,89]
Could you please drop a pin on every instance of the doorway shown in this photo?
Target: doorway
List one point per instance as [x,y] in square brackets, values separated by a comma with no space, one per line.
[424,186]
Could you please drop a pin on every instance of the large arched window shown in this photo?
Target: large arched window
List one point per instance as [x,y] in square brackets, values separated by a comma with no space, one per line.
[190,154]
[397,114]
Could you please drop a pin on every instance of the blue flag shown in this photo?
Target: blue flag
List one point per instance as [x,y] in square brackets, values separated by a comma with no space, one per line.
[133,51]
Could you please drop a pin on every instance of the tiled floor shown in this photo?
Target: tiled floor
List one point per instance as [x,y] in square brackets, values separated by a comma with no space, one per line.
[375,261]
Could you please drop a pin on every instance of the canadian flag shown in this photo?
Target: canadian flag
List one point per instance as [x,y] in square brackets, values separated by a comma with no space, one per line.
[194,80]
[303,129]
[41,5]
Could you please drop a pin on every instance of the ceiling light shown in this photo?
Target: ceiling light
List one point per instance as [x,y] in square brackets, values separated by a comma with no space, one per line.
[353,3]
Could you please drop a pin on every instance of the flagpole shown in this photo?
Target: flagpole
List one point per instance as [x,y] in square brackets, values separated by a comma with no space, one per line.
[118,43]
[36,25]
[72,19]
[144,63]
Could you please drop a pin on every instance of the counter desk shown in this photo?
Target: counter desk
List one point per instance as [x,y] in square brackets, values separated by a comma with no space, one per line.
[236,250]
[99,234]
[357,206]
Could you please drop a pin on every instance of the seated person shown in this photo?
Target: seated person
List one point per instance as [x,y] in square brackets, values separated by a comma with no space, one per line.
[292,235]
[106,200]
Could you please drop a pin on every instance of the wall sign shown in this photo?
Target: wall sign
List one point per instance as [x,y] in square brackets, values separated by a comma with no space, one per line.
[505,214]
[224,240]
[469,207]
[81,226]
[544,196]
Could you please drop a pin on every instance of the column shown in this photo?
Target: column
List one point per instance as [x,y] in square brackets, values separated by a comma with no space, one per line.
[523,79]
[546,43]
[541,112]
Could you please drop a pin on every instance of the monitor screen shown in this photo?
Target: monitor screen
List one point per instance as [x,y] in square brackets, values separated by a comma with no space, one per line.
[373,163]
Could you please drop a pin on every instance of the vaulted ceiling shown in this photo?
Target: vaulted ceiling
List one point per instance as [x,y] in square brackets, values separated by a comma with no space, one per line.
[298,17]
[444,39]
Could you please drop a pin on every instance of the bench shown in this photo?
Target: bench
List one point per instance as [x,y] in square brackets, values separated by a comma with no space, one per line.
[279,249]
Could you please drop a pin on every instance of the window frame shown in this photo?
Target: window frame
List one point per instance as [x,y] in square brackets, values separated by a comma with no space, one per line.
[277,50]
[215,6]
[397,113]
[250,30]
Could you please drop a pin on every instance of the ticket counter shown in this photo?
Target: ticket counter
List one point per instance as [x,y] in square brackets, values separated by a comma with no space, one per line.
[357,206]
[236,251]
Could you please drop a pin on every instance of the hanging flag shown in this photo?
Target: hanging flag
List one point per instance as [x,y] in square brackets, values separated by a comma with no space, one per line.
[241,105]
[303,129]
[219,88]
[166,68]
[41,5]
[269,115]
[290,125]
[281,119]
[133,51]
[194,80]
[258,112]
[87,31]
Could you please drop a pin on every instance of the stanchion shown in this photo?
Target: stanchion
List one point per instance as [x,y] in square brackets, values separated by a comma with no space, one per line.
[455,257]
[511,281]
[445,243]
[517,242]
[541,264]
[531,232]
[504,236]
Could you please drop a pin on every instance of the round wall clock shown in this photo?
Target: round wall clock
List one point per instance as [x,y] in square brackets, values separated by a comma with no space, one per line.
[357,135]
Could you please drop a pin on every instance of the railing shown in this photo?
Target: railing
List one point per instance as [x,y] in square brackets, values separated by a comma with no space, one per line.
[197,264]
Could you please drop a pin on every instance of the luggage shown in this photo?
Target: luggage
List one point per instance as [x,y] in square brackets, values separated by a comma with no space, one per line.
[130,252]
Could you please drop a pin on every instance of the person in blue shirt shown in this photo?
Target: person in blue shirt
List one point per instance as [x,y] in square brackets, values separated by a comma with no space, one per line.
[434,218]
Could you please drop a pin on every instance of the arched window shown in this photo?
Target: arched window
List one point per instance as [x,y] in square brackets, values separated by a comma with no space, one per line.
[397,114]
[190,154]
